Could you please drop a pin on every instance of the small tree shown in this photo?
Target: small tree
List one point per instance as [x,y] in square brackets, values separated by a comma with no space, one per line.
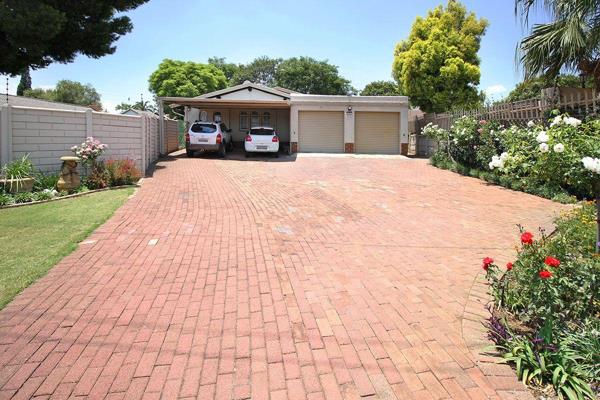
[24,83]
[70,92]
[187,79]
[307,75]
[437,66]
[381,88]
[261,70]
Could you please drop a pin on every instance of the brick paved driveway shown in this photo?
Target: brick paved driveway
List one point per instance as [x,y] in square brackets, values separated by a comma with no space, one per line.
[320,278]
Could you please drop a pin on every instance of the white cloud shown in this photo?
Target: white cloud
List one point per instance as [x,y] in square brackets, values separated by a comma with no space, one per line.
[494,90]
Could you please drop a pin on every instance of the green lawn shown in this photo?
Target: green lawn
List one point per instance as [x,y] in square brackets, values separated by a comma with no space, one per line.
[34,238]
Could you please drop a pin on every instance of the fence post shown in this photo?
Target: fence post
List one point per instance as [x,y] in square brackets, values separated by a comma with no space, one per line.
[143,134]
[89,123]
[5,134]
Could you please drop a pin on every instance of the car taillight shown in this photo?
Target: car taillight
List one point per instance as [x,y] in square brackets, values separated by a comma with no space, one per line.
[187,137]
[219,138]
[248,138]
[275,139]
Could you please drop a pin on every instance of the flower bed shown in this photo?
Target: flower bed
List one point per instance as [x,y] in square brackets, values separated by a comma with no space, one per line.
[546,312]
[556,162]
[112,173]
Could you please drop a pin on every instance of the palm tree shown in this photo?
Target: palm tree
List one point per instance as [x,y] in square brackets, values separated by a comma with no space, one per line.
[571,41]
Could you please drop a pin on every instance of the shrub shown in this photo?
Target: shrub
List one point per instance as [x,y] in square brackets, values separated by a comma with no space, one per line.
[550,294]
[25,197]
[123,172]
[99,177]
[89,151]
[45,194]
[6,199]
[45,181]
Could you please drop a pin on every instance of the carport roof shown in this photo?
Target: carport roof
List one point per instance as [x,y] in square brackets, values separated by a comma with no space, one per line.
[223,103]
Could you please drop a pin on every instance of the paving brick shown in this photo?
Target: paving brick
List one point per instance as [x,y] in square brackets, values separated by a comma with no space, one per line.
[314,277]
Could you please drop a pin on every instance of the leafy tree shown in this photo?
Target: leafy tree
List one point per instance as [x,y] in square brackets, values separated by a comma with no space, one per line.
[532,88]
[186,79]
[229,69]
[438,66]
[70,92]
[24,83]
[307,75]
[142,105]
[36,33]
[261,70]
[381,88]
[571,40]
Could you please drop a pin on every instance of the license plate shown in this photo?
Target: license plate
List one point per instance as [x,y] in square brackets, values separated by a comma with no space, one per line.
[202,140]
[261,147]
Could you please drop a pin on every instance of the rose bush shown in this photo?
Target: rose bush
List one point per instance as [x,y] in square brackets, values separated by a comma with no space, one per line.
[543,160]
[549,297]
[89,151]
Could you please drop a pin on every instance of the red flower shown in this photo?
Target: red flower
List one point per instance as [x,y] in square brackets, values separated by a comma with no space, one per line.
[509,266]
[527,238]
[552,262]
[487,262]
[545,274]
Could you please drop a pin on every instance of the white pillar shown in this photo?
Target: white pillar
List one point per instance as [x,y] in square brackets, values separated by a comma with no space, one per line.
[349,126]
[143,134]
[403,127]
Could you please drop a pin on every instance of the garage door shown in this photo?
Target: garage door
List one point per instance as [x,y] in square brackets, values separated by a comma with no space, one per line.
[377,132]
[321,131]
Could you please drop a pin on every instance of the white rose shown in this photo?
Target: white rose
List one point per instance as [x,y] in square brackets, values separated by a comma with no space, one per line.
[542,137]
[544,147]
[531,124]
[572,121]
[557,120]
[504,156]
[591,164]
[559,148]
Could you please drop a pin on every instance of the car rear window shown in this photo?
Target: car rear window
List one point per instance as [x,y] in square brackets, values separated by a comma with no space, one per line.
[204,128]
[260,131]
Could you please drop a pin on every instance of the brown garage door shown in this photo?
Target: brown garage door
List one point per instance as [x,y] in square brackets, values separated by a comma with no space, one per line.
[321,131]
[377,132]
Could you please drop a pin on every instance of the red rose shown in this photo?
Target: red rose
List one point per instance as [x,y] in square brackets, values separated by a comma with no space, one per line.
[487,262]
[527,238]
[545,274]
[509,266]
[552,262]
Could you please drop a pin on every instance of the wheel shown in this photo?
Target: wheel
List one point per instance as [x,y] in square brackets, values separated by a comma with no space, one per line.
[189,153]
[223,150]
[230,146]
[247,154]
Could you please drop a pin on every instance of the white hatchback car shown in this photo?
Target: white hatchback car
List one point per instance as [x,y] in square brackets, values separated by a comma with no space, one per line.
[208,136]
[262,139]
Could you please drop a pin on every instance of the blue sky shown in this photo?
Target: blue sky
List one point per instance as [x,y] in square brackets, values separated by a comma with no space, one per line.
[357,36]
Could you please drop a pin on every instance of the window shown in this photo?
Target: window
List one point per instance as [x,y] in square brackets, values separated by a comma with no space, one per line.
[217,117]
[204,128]
[251,119]
[244,121]
[266,119]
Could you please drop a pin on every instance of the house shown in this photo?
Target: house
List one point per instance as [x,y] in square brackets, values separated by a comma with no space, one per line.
[306,122]
[133,111]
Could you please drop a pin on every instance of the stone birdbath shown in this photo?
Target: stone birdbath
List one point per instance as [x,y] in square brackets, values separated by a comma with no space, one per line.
[69,177]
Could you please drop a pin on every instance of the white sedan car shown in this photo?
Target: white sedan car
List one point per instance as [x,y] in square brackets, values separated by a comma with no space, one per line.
[262,140]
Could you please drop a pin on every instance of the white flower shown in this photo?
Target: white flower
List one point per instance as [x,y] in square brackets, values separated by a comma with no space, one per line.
[544,147]
[504,156]
[497,162]
[591,164]
[542,137]
[557,120]
[559,148]
[572,121]
[531,124]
